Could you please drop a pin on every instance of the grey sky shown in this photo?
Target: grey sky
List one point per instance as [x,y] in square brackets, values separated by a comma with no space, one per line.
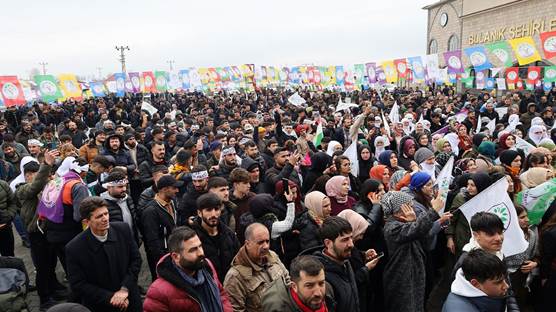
[79,36]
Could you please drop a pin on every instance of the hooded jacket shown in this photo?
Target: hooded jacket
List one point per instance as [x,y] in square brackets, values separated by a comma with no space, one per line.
[28,197]
[279,299]
[468,298]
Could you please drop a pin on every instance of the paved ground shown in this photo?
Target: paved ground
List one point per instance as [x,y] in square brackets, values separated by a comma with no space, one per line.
[33,298]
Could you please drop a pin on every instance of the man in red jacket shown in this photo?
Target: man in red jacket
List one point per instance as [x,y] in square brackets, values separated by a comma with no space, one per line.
[187,282]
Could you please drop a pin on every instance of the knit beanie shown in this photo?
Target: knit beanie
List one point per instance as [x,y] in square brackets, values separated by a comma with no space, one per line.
[422,154]
[392,202]
[418,180]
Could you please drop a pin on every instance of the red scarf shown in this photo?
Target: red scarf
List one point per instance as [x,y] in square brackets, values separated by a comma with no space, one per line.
[303,307]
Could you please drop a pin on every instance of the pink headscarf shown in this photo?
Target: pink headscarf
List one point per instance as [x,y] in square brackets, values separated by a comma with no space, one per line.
[358,223]
[334,186]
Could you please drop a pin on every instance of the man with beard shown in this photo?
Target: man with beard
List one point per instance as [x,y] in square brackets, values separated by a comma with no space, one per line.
[12,156]
[252,151]
[138,154]
[103,263]
[120,206]
[114,146]
[268,153]
[219,186]
[158,157]
[253,270]
[159,219]
[338,244]
[184,273]
[77,136]
[199,186]
[284,168]
[227,164]
[306,293]
[219,241]
[90,150]
[27,133]
[35,148]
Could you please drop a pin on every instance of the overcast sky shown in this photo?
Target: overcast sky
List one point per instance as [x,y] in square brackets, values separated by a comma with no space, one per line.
[76,36]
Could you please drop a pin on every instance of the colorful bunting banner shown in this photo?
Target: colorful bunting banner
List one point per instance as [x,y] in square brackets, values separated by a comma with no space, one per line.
[525,50]
[401,67]
[548,42]
[135,82]
[467,79]
[11,90]
[417,68]
[48,87]
[478,57]
[120,84]
[371,72]
[97,88]
[70,86]
[533,74]
[512,75]
[550,74]
[149,84]
[453,61]
[502,51]
[390,71]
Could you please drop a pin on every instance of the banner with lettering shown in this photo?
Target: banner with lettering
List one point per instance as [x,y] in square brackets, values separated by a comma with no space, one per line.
[550,74]
[12,93]
[401,67]
[525,50]
[502,51]
[70,87]
[390,71]
[453,61]
[417,68]
[48,87]
[478,57]
[548,42]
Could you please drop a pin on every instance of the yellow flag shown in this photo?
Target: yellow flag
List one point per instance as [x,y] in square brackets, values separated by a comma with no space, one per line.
[390,71]
[525,50]
[70,87]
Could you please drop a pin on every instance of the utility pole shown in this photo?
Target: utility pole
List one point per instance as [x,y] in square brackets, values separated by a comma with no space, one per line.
[99,72]
[43,64]
[171,63]
[122,56]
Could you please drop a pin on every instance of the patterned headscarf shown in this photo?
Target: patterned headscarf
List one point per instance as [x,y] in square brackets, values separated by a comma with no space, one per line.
[392,202]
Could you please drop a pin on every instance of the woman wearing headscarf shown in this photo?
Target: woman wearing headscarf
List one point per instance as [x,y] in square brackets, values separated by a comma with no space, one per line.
[406,152]
[405,274]
[343,168]
[536,134]
[535,176]
[320,163]
[333,146]
[310,220]
[380,145]
[465,141]
[476,141]
[458,231]
[487,151]
[443,146]
[381,174]
[389,159]
[511,160]
[366,161]
[369,203]
[337,189]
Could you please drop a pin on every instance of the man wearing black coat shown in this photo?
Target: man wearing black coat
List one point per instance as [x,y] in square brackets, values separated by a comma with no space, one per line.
[103,262]
[220,243]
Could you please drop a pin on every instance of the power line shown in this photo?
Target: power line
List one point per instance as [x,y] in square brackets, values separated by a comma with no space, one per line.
[43,64]
[122,56]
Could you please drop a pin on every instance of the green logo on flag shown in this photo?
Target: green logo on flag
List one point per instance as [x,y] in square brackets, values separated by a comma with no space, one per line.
[501,210]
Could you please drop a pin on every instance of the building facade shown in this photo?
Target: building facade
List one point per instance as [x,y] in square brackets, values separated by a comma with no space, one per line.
[457,24]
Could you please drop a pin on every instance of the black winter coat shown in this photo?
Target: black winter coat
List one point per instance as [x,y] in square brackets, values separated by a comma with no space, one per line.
[116,215]
[157,225]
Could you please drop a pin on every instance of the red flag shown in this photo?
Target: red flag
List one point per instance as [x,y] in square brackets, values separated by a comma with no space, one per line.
[533,74]
[316,76]
[310,75]
[512,74]
[149,81]
[213,74]
[401,67]
[519,85]
[11,90]
[548,42]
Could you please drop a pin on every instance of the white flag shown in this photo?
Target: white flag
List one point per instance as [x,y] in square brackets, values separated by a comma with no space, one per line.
[343,106]
[149,108]
[386,125]
[351,153]
[296,99]
[478,129]
[495,199]
[395,113]
[524,145]
[444,179]
[491,125]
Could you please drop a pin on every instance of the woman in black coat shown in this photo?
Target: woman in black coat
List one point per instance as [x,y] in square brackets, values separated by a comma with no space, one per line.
[320,162]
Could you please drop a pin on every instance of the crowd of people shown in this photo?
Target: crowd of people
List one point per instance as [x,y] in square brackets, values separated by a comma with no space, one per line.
[241,204]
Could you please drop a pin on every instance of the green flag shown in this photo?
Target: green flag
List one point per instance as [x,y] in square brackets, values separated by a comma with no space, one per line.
[318,136]
[537,200]
[48,87]
[550,74]
[502,51]
[467,79]
[161,80]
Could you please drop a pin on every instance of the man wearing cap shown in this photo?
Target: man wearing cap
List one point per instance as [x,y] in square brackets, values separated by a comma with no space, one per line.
[227,164]
[198,187]
[215,149]
[120,206]
[159,219]
[254,170]
[34,147]
[93,148]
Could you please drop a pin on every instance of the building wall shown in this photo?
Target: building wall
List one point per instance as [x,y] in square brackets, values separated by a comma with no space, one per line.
[511,19]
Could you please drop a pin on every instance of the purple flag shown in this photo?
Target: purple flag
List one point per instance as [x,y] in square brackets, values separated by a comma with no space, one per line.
[380,75]
[135,82]
[453,61]
[371,72]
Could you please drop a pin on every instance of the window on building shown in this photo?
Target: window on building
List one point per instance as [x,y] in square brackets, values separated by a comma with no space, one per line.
[433,46]
[453,43]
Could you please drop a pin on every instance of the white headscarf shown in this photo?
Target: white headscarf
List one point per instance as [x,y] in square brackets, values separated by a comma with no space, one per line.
[379,150]
[331,146]
[537,138]
[70,163]
[21,177]
[454,141]
[513,121]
